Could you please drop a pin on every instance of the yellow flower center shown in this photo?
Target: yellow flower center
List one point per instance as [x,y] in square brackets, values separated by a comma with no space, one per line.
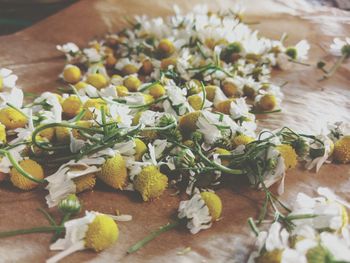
[268,102]
[129,69]
[224,106]
[75,132]
[210,92]
[166,62]
[80,85]
[48,133]
[317,255]
[62,134]
[166,47]
[71,106]
[157,91]
[132,83]
[140,149]
[102,233]
[342,150]
[22,182]
[147,67]
[147,98]
[242,139]
[213,202]
[71,74]
[2,134]
[1,83]
[230,89]
[93,103]
[113,172]
[150,183]
[222,151]
[97,80]
[195,101]
[122,91]
[12,119]
[85,182]
[187,122]
[289,155]
[274,256]
[110,60]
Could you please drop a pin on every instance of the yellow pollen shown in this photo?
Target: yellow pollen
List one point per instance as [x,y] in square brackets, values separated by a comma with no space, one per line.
[242,139]
[224,106]
[213,202]
[289,155]
[157,91]
[71,74]
[113,172]
[187,122]
[71,106]
[132,83]
[195,101]
[140,149]
[122,91]
[12,119]
[150,183]
[97,80]
[268,102]
[341,152]
[102,233]
[2,134]
[31,167]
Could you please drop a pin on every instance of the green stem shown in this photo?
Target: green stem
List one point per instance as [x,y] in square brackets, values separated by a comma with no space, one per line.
[148,86]
[265,112]
[204,95]
[17,109]
[299,62]
[30,231]
[298,217]
[334,68]
[59,231]
[253,226]
[218,166]
[152,236]
[47,216]
[148,104]
[57,124]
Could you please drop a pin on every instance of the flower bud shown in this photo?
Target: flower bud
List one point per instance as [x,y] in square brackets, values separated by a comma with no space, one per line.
[70,205]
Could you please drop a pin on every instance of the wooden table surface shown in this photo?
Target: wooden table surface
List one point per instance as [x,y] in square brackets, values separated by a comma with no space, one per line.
[308,105]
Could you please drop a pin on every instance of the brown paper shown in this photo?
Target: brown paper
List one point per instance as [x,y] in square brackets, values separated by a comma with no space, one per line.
[308,105]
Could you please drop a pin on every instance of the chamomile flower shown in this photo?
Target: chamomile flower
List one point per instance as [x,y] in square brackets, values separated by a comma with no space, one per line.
[93,231]
[239,108]
[150,182]
[29,166]
[69,49]
[13,96]
[7,79]
[113,172]
[319,153]
[340,47]
[329,213]
[92,55]
[338,130]
[299,51]
[70,178]
[200,211]
[342,150]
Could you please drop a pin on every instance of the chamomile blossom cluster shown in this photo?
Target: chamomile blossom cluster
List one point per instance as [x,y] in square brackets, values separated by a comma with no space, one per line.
[318,232]
[180,54]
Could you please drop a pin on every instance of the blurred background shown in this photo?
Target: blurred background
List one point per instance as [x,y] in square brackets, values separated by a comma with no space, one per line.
[18,14]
